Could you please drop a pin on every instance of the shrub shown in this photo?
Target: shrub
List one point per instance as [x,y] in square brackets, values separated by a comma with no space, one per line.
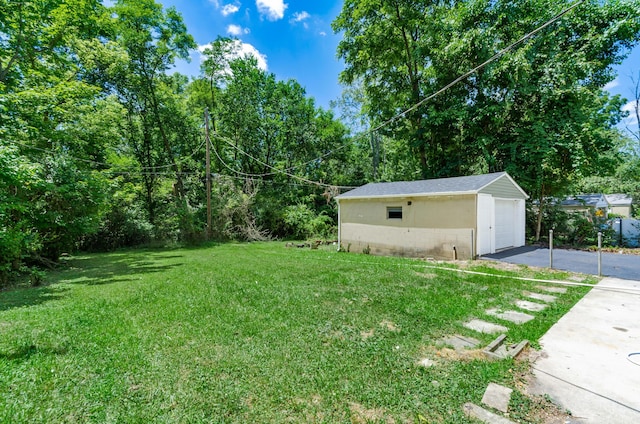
[302,222]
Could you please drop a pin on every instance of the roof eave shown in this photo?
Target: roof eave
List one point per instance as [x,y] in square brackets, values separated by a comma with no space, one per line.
[405,195]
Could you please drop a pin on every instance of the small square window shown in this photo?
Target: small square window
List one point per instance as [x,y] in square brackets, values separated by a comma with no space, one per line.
[394,212]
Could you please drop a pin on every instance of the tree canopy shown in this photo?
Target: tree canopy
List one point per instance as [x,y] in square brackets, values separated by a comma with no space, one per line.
[538,111]
[103,146]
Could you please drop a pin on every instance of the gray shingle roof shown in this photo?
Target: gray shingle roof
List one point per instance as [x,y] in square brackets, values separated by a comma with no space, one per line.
[584,200]
[467,184]
[618,199]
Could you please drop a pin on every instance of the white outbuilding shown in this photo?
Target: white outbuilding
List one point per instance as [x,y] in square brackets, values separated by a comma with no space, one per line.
[461,217]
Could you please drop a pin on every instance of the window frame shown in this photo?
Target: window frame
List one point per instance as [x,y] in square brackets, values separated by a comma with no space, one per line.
[395,213]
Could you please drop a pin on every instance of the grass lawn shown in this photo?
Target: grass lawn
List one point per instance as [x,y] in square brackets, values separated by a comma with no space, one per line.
[254,333]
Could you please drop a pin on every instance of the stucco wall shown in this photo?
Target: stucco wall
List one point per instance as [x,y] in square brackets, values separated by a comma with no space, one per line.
[624,211]
[429,227]
[430,212]
[434,243]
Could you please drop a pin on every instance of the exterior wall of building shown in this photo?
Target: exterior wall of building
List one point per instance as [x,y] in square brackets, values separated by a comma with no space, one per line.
[624,211]
[430,226]
[503,188]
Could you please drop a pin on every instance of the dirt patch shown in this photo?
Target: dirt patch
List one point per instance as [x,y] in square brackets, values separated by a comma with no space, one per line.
[388,325]
[577,278]
[502,266]
[460,355]
[540,409]
[367,334]
[362,415]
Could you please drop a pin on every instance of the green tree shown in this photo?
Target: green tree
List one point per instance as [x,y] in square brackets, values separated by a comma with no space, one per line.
[53,127]
[538,112]
[153,39]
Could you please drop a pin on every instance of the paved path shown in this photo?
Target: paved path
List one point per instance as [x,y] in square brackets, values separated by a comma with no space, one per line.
[613,264]
[584,364]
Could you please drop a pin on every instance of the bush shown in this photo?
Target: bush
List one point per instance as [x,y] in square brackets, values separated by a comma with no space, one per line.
[124,225]
[569,229]
[234,218]
[303,223]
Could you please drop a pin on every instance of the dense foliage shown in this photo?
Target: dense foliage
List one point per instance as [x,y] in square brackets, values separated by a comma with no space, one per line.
[101,147]
[538,112]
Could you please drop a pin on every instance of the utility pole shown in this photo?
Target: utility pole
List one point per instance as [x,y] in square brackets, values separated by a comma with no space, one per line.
[208,171]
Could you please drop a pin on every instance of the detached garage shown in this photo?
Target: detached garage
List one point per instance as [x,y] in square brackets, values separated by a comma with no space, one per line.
[461,217]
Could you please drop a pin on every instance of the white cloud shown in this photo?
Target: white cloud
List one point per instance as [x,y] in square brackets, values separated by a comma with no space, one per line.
[226,9]
[612,84]
[323,34]
[248,50]
[242,50]
[630,121]
[300,16]
[272,9]
[237,30]
[229,9]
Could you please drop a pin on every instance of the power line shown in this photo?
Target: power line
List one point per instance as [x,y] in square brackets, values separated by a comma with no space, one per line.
[277,171]
[477,68]
[93,162]
[139,170]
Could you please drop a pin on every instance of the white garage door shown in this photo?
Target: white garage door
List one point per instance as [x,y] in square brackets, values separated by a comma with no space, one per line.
[505,223]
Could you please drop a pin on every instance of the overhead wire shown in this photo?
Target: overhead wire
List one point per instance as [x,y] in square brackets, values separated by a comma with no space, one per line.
[462,77]
[276,170]
[477,68]
[140,170]
[94,162]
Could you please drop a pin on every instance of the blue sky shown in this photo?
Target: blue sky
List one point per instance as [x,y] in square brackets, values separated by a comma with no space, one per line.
[294,39]
[291,39]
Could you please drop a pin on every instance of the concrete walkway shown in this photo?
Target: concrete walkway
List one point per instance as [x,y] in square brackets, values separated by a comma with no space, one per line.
[584,366]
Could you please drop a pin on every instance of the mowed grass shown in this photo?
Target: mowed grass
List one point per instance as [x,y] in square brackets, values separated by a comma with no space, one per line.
[252,333]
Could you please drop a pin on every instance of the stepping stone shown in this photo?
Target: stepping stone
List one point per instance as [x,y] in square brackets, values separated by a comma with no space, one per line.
[426,362]
[512,316]
[497,397]
[530,306]
[460,342]
[544,297]
[483,415]
[552,289]
[485,327]
[497,349]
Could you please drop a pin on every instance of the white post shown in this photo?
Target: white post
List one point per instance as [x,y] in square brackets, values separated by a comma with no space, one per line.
[599,253]
[472,245]
[339,226]
[550,248]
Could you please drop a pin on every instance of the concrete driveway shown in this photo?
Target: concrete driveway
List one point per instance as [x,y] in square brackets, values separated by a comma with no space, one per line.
[584,364]
[613,264]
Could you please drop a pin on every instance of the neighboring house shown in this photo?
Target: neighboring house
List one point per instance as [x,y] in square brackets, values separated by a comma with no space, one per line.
[587,204]
[619,204]
[597,204]
[441,218]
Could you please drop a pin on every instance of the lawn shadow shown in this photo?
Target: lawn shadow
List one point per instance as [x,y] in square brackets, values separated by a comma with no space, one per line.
[29,296]
[24,352]
[111,268]
[94,269]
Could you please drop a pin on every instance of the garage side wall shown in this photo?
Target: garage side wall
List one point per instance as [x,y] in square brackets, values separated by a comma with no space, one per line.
[429,227]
